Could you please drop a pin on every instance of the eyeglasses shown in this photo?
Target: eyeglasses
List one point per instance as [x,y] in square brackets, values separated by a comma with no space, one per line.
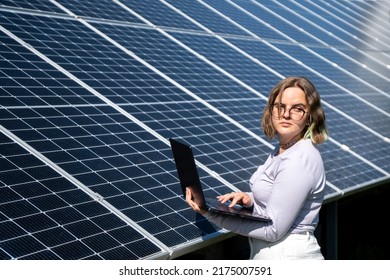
[295,113]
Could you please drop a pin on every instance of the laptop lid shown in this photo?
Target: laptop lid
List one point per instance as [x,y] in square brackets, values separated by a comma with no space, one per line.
[187,171]
[189,177]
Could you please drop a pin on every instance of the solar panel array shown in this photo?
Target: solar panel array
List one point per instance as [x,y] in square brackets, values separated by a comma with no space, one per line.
[92,90]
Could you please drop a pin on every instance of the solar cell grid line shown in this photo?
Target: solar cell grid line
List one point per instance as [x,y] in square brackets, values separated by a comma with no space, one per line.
[345,171]
[360,14]
[330,38]
[364,27]
[206,17]
[359,18]
[381,9]
[356,67]
[321,18]
[272,18]
[358,139]
[159,14]
[244,68]
[334,73]
[300,20]
[35,5]
[369,62]
[175,61]
[30,75]
[365,74]
[338,43]
[353,25]
[46,216]
[339,26]
[326,24]
[99,9]
[256,25]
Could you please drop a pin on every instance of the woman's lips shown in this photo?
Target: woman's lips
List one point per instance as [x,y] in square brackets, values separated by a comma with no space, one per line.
[285,124]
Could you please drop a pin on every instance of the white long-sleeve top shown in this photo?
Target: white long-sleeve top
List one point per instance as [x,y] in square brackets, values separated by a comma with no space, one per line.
[288,188]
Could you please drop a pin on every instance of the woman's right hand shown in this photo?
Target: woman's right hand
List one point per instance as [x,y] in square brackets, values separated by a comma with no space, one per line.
[240,198]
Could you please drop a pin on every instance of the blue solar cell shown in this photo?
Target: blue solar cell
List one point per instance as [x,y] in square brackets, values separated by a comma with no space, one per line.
[243,68]
[42,255]
[121,202]
[66,215]
[119,253]
[34,223]
[172,239]
[102,9]
[108,221]
[19,247]
[54,237]
[38,5]
[346,30]
[138,213]
[101,242]
[125,235]
[246,18]
[207,17]
[10,229]
[6,194]
[160,14]
[18,209]
[48,202]
[74,250]
[141,248]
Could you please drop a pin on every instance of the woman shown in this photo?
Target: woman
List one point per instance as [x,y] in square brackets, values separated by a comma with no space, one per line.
[289,187]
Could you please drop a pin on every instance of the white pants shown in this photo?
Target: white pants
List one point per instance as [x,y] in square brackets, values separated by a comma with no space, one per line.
[293,246]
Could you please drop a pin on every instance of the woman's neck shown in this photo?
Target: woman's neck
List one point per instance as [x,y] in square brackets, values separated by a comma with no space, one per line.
[285,146]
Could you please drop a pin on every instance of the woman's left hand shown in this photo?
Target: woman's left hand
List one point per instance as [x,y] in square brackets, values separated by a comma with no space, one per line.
[192,203]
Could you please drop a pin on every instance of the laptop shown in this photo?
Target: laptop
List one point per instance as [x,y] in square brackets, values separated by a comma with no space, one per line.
[189,177]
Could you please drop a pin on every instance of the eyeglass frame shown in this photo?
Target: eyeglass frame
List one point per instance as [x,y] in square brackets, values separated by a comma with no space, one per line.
[282,107]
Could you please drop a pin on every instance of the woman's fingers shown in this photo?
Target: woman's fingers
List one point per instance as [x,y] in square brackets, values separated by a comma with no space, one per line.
[226,197]
[189,200]
[192,203]
[240,198]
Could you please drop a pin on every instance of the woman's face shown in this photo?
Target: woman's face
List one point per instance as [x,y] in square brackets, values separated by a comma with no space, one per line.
[292,106]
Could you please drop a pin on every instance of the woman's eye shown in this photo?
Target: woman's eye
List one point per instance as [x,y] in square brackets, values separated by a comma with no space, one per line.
[297,110]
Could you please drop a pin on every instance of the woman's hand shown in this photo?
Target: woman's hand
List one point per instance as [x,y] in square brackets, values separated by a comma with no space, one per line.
[239,198]
[192,203]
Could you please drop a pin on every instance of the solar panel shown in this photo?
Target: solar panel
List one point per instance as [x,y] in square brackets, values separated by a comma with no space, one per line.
[46,216]
[92,90]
